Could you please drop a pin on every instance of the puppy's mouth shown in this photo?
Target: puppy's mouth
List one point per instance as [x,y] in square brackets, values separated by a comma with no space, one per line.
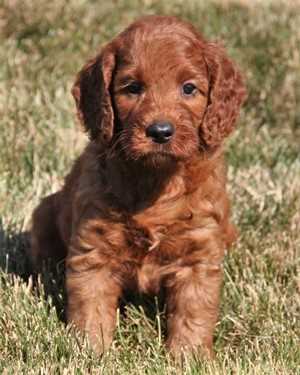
[164,151]
[160,157]
[156,153]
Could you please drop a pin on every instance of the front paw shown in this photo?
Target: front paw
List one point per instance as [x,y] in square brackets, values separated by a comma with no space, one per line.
[99,339]
[180,347]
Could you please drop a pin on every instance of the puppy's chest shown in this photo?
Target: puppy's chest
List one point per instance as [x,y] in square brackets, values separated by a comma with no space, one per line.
[145,233]
[139,239]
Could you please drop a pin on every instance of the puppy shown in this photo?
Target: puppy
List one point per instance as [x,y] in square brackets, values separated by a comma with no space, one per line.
[145,206]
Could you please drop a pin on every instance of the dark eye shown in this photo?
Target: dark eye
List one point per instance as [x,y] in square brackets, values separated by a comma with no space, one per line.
[134,88]
[189,89]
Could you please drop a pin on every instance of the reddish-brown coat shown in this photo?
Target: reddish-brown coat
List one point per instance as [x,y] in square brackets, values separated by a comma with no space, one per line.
[137,215]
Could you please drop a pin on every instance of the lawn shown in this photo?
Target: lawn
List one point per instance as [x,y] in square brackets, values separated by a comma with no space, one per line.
[42,46]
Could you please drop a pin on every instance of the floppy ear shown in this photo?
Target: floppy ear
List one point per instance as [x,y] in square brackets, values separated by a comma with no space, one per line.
[226,95]
[92,96]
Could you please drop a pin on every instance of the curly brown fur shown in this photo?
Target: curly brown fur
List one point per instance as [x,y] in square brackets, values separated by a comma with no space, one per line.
[135,213]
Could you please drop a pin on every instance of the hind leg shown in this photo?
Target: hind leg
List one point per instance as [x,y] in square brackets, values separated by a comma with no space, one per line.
[46,242]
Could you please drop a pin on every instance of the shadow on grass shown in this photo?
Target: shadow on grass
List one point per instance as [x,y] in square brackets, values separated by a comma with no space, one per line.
[13,257]
[15,261]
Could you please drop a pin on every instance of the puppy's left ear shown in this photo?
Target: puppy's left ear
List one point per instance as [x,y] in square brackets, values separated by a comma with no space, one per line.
[91,92]
[227,93]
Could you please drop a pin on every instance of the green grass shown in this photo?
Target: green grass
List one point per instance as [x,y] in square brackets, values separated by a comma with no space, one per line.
[42,46]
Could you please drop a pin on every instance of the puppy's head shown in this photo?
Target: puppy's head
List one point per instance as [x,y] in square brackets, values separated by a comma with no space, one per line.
[159,91]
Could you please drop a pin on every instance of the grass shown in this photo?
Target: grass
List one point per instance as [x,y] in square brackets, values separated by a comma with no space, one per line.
[42,46]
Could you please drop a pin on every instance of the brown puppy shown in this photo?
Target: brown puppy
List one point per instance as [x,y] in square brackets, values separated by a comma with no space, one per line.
[145,206]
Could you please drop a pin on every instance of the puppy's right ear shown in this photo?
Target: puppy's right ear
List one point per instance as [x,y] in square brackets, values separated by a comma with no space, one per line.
[92,95]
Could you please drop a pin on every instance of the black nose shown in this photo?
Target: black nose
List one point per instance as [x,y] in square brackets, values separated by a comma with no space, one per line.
[160,132]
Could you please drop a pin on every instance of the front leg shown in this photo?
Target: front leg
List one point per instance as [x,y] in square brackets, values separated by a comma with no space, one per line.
[93,296]
[192,307]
